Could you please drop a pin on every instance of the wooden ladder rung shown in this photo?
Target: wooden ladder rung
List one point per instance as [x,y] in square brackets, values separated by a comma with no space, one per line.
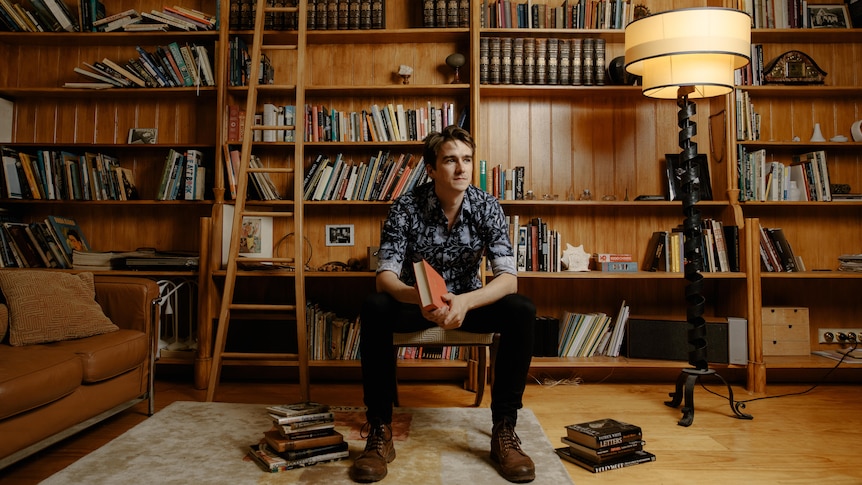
[262,307]
[278,47]
[259,355]
[266,214]
[281,9]
[273,127]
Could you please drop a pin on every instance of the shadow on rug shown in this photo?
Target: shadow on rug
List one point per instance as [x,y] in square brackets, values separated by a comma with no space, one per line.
[194,442]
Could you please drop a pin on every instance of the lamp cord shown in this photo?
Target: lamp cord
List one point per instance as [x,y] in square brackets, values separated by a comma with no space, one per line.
[799,393]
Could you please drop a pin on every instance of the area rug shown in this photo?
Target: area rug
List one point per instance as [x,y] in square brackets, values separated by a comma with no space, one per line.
[194,442]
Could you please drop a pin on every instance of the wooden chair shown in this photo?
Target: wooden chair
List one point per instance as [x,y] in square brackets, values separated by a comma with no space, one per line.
[437,337]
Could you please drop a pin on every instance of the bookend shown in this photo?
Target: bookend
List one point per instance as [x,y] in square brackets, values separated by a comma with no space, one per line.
[690,188]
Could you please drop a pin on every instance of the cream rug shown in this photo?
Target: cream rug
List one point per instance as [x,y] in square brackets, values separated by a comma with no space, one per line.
[194,442]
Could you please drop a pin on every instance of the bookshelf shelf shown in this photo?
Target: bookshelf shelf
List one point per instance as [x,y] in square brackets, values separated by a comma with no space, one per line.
[812,91]
[90,39]
[20,93]
[388,36]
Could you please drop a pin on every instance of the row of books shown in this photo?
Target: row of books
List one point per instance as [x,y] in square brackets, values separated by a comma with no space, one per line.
[776,252]
[542,61]
[241,16]
[384,177]
[42,244]
[763,180]
[445,13]
[171,65]
[330,337]
[537,246]
[720,249]
[303,434]
[44,15]
[262,186]
[591,334]
[169,18]
[183,176]
[388,122]
[239,67]
[771,14]
[61,175]
[569,14]
[504,184]
[748,121]
[346,14]
[270,115]
[604,444]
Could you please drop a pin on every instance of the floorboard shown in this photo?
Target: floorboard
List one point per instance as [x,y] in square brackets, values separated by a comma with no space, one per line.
[804,437]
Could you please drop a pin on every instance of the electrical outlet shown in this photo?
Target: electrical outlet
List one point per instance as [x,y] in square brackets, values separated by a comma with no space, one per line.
[838,335]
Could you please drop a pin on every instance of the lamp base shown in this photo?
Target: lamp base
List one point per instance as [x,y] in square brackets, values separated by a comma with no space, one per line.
[685,388]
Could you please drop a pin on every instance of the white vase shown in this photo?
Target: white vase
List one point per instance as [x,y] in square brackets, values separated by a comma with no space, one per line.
[793,192]
[817,135]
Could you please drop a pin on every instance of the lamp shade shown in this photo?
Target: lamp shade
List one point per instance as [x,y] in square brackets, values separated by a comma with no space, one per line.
[696,47]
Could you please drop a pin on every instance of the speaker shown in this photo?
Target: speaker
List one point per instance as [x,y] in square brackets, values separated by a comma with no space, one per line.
[663,339]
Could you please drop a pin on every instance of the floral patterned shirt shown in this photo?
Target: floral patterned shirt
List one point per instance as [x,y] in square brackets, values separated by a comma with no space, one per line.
[417,228]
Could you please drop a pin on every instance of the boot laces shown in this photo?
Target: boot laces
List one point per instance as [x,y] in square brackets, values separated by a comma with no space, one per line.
[509,439]
[377,435]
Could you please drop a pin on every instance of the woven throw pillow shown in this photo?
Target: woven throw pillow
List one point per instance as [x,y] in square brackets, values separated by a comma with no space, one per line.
[48,306]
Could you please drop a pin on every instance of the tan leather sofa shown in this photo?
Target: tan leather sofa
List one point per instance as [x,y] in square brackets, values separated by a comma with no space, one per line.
[53,390]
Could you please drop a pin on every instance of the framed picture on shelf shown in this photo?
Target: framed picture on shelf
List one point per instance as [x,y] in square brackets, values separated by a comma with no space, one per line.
[339,234]
[143,136]
[255,238]
[835,16]
[674,173]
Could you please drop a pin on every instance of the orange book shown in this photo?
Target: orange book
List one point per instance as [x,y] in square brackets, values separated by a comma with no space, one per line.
[430,285]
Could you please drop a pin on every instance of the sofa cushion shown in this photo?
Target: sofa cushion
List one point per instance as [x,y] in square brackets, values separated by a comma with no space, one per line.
[33,376]
[107,355]
[48,306]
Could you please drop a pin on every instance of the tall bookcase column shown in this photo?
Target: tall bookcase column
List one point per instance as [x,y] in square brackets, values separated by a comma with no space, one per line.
[55,116]
[772,129]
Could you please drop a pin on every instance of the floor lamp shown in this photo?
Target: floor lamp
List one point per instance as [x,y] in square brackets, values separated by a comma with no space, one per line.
[686,54]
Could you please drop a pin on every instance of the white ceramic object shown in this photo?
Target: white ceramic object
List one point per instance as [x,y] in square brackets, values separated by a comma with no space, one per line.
[856,130]
[817,135]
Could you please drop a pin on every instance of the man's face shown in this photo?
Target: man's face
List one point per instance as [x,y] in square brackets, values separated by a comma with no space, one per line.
[454,169]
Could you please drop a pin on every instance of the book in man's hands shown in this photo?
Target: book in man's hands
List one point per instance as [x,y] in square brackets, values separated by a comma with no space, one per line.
[603,432]
[631,459]
[430,285]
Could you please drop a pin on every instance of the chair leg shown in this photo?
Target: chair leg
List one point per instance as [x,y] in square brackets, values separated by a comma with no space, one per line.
[482,369]
[395,383]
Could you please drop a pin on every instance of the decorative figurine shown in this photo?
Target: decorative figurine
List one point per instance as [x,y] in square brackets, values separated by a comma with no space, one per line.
[575,258]
[456,61]
[405,72]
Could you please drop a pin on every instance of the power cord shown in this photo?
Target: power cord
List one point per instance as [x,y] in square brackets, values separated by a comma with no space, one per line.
[851,338]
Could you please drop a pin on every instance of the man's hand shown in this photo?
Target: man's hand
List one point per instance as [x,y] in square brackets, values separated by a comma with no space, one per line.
[450,316]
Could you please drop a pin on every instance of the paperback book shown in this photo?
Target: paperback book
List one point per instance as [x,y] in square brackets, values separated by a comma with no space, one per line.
[272,462]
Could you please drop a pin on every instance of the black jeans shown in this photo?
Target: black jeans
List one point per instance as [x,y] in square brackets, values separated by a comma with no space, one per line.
[513,317]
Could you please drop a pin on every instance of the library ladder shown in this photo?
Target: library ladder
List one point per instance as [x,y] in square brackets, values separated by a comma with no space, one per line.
[286,213]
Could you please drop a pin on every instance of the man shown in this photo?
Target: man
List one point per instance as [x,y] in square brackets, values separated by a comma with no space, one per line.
[451,224]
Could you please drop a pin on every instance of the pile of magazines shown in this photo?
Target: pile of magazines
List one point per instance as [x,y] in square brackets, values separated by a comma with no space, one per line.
[850,262]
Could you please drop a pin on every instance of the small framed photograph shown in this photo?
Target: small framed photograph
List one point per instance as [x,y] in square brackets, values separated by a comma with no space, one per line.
[835,16]
[143,136]
[339,234]
[674,176]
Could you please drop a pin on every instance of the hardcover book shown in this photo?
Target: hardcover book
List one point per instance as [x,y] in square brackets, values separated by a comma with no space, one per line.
[282,444]
[271,462]
[430,285]
[297,409]
[69,234]
[603,432]
[635,458]
[605,453]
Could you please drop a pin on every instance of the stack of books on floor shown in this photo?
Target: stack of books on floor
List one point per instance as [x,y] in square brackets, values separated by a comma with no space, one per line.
[604,444]
[303,434]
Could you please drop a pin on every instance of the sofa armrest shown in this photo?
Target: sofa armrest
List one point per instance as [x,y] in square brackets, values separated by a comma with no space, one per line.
[128,301]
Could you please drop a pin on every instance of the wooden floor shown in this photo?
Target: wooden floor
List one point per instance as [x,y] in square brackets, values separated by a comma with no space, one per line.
[798,439]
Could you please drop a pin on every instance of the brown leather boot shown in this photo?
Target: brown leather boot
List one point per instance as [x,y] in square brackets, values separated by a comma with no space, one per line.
[513,464]
[370,466]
